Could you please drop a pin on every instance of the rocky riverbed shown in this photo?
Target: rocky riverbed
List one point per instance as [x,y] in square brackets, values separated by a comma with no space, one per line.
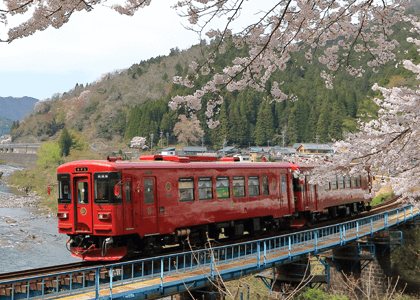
[28,232]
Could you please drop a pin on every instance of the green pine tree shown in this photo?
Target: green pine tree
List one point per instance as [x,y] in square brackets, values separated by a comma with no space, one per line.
[292,133]
[335,129]
[65,142]
[264,129]
[323,123]
[220,132]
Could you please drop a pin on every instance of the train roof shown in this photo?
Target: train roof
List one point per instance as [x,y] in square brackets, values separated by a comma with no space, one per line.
[112,164]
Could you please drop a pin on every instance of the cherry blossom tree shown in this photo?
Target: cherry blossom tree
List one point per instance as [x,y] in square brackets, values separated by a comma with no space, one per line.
[188,130]
[284,27]
[389,145]
[138,142]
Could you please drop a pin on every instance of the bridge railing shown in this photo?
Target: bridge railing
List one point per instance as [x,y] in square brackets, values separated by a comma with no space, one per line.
[161,272]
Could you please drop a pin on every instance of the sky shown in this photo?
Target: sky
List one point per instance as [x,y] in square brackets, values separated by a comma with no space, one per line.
[95,43]
[89,45]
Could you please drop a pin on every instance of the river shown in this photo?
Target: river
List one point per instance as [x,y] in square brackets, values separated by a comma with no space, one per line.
[28,234]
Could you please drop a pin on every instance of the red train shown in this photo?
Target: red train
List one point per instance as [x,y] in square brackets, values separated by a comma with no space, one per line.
[113,208]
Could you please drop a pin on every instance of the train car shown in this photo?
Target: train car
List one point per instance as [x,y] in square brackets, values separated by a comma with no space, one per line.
[113,208]
[344,196]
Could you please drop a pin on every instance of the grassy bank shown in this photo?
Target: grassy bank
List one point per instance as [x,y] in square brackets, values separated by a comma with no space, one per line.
[381,198]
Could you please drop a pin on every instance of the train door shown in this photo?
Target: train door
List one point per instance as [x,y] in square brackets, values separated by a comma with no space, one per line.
[128,205]
[149,205]
[284,203]
[310,195]
[83,203]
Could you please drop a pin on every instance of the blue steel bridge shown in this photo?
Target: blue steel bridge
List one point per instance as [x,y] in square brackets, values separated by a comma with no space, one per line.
[167,275]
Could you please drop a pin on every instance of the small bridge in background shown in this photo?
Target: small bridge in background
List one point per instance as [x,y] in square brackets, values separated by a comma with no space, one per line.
[28,148]
[19,155]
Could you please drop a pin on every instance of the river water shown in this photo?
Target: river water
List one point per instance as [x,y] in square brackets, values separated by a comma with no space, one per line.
[29,237]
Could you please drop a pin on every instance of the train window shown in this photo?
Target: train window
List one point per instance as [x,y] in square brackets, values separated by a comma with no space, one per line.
[326,186]
[63,189]
[254,185]
[149,191]
[104,184]
[205,188]
[341,182]
[186,189]
[334,184]
[238,186]
[222,187]
[354,182]
[265,188]
[348,182]
[101,191]
[359,181]
[127,192]
[83,192]
[283,184]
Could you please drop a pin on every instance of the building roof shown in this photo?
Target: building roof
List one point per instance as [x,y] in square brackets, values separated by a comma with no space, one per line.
[283,151]
[194,149]
[313,146]
[229,148]
[291,150]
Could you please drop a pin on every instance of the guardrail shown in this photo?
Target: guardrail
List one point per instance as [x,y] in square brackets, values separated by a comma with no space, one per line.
[171,274]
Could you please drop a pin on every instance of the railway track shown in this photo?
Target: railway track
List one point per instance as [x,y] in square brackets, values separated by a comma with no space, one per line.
[79,276]
[44,271]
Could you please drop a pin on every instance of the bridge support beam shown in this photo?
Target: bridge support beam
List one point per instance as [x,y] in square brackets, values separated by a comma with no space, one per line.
[286,278]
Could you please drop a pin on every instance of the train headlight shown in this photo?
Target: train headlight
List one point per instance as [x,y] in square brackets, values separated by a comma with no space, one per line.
[104,216]
[62,215]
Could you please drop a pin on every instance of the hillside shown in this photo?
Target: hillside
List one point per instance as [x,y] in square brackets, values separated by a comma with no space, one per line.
[16,108]
[134,102]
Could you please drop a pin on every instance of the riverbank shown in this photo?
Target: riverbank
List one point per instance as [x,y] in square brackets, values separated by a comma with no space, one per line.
[15,197]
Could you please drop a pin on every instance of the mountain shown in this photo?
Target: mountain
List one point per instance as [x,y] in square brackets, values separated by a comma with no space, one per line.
[16,108]
[5,125]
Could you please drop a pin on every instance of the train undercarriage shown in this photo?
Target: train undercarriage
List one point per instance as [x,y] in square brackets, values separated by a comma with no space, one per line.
[89,247]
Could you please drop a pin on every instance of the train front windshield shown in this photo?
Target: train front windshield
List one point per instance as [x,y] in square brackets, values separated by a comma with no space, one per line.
[104,188]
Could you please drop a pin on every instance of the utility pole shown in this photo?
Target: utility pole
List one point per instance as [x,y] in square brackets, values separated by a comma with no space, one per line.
[317,139]
[167,139]
[151,142]
[283,134]
[161,141]
[224,143]
[202,144]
